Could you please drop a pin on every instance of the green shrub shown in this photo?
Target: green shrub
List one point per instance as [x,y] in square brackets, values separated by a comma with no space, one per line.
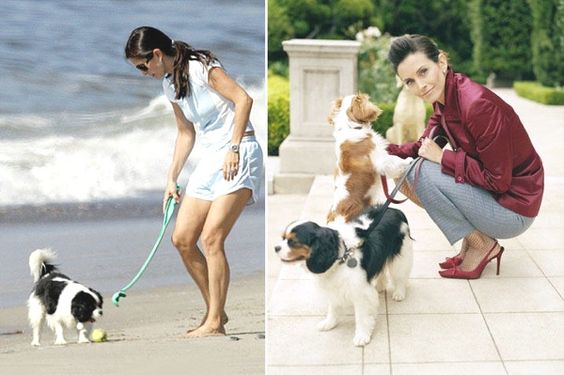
[501,34]
[278,112]
[548,42]
[539,93]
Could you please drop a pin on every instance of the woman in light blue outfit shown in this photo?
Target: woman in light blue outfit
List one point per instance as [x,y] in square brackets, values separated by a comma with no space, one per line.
[211,106]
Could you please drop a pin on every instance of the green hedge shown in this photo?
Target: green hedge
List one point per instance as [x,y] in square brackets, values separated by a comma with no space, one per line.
[539,93]
[548,42]
[501,33]
[278,112]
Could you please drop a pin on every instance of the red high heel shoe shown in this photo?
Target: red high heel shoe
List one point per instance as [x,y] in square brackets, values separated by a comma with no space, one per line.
[451,262]
[457,273]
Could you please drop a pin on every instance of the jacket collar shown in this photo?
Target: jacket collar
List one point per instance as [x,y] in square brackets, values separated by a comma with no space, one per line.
[451,102]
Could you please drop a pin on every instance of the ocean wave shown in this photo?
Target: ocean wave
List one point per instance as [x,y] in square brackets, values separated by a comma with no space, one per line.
[102,156]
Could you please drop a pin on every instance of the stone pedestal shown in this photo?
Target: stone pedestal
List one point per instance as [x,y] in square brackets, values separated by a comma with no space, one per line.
[320,72]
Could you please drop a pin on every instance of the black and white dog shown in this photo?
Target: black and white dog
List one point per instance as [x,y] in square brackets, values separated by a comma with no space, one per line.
[351,260]
[59,300]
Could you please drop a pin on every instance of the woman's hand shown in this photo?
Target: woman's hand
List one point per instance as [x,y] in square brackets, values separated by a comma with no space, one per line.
[170,191]
[230,165]
[431,151]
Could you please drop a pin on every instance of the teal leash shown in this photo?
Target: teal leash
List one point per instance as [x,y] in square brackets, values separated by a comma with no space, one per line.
[169,211]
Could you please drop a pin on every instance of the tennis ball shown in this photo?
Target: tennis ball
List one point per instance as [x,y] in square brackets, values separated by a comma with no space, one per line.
[98,335]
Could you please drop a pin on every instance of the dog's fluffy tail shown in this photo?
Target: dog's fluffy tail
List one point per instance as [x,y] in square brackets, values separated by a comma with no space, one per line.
[40,263]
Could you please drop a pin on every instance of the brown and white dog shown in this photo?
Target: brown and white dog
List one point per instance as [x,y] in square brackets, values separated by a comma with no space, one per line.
[361,158]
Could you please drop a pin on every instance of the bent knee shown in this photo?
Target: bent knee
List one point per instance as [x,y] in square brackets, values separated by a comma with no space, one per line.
[183,241]
[213,241]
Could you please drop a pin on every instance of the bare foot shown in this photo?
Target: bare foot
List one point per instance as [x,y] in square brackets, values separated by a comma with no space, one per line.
[205,331]
[224,321]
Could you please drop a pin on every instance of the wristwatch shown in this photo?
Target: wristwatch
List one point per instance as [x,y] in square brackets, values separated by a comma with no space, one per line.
[235,148]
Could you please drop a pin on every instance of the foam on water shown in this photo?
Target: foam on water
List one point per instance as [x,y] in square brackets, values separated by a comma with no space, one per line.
[102,156]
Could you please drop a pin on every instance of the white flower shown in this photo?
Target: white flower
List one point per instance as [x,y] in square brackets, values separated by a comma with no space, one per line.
[373,32]
[370,33]
[360,36]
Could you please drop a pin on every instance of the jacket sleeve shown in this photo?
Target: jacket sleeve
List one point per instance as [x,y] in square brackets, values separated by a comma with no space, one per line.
[492,168]
[411,149]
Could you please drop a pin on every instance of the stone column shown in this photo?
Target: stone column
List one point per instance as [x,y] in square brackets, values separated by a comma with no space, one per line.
[320,72]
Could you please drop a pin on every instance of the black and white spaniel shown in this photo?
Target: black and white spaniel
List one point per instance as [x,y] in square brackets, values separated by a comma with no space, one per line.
[353,261]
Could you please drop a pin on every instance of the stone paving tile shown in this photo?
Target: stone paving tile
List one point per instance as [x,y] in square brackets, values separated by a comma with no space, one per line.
[528,336]
[558,283]
[296,341]
[419,338]
[425,296]
[516,295]
[535,367]
[324,370]
[446,368]
[551,262]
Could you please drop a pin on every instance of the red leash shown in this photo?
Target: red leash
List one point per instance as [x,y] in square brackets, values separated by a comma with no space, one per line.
[387,194]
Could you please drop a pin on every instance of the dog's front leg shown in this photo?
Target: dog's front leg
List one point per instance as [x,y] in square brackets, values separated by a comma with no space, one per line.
[83,332]
[330,320]
[59,337]
[392,166]
[364,321]
[37,333]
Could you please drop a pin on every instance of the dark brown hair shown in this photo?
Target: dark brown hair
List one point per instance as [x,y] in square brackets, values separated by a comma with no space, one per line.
[411,43]
[143,40]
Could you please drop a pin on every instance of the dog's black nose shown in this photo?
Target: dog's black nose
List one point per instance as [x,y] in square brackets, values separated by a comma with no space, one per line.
[101,313]
[277,248]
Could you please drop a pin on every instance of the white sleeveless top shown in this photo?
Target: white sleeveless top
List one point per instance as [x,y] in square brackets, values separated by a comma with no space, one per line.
[211,113]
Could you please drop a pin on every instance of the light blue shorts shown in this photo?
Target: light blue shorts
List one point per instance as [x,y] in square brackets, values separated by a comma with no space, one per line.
[207,182]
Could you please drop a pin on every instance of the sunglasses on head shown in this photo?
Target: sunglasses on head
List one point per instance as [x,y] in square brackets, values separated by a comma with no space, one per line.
[143,67]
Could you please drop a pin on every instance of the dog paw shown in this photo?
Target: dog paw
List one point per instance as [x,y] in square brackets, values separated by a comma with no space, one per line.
[35,343]
[60,342]
[326,324]
[361,339]
[398,295]
[83,340]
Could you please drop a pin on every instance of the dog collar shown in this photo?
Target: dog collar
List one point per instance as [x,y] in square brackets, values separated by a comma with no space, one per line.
[342,115]
[348,257]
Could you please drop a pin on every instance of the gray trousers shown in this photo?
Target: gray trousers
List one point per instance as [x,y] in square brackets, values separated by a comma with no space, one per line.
[459,209]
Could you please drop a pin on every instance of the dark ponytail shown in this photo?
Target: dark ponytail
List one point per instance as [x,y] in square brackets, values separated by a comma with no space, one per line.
[411,43]
[143,40]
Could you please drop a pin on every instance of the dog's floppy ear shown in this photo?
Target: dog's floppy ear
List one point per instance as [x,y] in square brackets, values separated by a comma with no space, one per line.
[362,110]
[324,250]
[98,295]
[336,107]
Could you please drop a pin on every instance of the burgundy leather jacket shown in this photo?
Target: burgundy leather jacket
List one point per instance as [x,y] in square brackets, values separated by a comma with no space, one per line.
[491,148]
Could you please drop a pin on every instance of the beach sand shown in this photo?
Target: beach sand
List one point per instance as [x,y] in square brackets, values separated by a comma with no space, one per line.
[146,336]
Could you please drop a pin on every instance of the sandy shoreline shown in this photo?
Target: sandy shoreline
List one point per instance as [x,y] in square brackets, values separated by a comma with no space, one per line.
[145,336]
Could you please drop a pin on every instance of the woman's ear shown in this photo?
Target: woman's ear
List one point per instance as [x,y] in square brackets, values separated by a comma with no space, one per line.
[443,61]
[158,54]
